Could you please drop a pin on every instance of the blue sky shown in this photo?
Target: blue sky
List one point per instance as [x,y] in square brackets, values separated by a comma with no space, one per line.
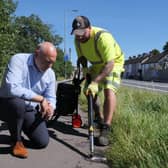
[138,25]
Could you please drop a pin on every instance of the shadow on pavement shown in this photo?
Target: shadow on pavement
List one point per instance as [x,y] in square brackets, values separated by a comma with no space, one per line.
[5,150]
[54,136]
[66,129]
[5,140]
[3,126]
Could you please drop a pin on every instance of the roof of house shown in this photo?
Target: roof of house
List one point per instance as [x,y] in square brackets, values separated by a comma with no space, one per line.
[146,58]
[155,58]
[135,60]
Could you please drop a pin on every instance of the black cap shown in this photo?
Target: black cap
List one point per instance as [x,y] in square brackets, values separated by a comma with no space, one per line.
[80,22]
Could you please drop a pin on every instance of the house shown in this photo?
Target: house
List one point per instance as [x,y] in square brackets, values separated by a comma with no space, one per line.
[133,67]
[155,68]
[147,67]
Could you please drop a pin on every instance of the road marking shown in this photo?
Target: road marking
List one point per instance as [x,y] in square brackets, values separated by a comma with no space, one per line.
[142,87]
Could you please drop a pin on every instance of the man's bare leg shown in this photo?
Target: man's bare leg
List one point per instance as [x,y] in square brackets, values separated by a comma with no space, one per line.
[109,105]
[108,111]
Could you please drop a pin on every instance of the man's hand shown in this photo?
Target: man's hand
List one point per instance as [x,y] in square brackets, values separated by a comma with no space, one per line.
[83,61]
[92,88]
[46,110]
[50,112]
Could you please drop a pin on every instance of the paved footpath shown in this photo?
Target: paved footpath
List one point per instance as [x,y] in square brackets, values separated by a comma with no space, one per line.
[68,148]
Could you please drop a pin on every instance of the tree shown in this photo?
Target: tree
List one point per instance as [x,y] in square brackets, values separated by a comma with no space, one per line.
[22,34]
[155,52]
[165,47]
[7,33]
[33,31]
[61,67]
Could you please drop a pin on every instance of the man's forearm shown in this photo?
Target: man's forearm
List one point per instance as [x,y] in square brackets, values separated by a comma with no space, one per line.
[37,98]
[105,71]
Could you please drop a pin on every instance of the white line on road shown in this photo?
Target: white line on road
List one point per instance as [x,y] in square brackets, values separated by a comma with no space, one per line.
[142,87]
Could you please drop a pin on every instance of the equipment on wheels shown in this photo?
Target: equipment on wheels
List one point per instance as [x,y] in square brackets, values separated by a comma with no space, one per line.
[67,99]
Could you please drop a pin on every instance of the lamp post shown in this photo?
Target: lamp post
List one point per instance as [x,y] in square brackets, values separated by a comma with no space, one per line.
[65,47]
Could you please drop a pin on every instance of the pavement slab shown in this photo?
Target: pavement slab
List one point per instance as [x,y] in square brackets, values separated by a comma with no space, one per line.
[68,148]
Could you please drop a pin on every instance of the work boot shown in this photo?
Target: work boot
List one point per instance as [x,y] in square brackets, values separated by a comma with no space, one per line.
[104,133]
[19,150]
[98,122]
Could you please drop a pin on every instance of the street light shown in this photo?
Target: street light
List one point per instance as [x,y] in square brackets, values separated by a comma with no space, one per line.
[65,20]
[66,57]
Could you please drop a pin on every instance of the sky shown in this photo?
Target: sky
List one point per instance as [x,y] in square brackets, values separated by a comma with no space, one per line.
[137,25]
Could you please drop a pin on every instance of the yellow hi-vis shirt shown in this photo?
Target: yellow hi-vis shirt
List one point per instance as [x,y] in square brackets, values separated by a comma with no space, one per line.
[107,47]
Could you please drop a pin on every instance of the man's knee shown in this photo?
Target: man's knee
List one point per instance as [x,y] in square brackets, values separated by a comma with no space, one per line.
[41,142]
[108,93]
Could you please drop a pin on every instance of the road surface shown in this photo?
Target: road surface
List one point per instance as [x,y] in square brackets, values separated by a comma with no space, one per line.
[154,86]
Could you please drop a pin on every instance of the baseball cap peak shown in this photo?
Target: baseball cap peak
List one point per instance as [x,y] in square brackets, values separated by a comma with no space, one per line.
[80,22]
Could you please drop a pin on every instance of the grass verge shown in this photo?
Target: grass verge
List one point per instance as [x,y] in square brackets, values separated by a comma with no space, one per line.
[139,137]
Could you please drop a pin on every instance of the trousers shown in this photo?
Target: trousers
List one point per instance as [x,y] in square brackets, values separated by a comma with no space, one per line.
[13,111]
